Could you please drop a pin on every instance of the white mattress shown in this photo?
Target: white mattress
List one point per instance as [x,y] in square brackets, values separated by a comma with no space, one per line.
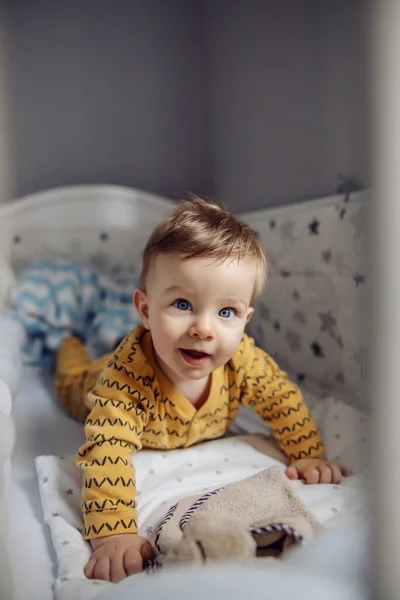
[42,428]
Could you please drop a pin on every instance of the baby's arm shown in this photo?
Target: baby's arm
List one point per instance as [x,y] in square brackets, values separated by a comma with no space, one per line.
[121,408]
[280,404]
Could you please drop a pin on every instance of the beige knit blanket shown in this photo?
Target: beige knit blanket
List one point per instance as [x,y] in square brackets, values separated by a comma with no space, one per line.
[260,516]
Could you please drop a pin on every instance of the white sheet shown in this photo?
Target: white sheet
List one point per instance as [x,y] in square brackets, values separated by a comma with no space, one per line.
[41,428]
[164,478]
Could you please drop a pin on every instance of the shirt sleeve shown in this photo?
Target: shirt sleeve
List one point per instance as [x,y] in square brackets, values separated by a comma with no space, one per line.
[278,401]
[122,402]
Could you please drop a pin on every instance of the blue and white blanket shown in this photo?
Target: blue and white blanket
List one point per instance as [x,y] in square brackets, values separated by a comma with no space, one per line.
[55,299]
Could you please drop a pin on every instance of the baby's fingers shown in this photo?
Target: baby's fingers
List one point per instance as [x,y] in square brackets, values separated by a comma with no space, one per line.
[89,568]
[148,552]
[102,569]
[292,473]
[117,567]
[325,473]
[133,562]
[336,473]
[311,475]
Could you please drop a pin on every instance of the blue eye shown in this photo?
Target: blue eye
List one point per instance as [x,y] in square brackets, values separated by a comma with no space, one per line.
[226,313]
[182,304]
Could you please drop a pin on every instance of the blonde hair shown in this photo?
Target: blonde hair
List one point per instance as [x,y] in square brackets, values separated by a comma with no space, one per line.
[200,229]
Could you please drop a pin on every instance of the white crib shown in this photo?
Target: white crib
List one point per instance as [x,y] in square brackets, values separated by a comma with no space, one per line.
[306,319]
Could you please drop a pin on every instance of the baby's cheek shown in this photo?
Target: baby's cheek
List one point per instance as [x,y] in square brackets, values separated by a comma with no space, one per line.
[169,329]
[230,341]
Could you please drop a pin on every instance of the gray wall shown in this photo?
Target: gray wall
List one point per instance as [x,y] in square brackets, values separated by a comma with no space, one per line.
[109,92]
[6,185]
[267,117]
[288,91]
[345,54]
[256,102]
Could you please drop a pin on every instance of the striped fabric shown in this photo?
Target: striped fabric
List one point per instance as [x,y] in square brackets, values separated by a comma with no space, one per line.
[56,299]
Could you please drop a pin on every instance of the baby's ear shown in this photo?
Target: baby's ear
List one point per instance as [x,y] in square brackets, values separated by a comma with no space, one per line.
[250,313]
[141,305]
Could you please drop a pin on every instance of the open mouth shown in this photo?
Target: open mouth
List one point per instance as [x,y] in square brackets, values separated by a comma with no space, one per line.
[194,357]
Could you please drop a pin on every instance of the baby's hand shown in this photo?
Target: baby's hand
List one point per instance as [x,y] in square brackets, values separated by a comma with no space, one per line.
[317,470]
[117,556]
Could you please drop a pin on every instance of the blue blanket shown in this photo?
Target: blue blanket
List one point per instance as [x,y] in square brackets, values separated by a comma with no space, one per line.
[55,299]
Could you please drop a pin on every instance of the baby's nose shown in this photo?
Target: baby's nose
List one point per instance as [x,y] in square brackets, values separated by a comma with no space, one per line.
[201,328]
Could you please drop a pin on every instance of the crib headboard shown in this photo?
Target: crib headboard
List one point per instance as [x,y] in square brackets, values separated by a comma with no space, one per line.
[99,225]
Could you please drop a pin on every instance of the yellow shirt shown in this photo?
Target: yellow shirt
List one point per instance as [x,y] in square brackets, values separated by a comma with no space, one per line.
[135,406]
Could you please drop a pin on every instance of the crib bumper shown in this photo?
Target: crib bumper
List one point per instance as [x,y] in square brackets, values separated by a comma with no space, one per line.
[12,337]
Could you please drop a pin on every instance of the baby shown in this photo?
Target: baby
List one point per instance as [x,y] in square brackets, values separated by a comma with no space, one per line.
[179,379]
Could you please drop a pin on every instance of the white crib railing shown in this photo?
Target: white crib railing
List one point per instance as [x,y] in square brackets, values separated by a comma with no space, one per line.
[12,337]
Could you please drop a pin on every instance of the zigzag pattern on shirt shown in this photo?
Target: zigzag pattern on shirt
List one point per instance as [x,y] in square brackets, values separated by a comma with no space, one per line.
[269,372]
[154,445]
[232,368]
[309,453]
[166,431]
[94,482]
[269,408]
[256,360]
[145,380]
[233,410]
[267,380]
[103,440]
[115,356]
[132,349]
[259,382]
[120,524]
[285,413]
[227,388]
[224,408]
[132,391]
[142,403]
[302,438]
[240,398]
[295,426]
[136,346]
[132,405]
[274,377]
[284,396]
[263,410]
[213,424]
[112,422]
[168,417]
[107,504]
[105,460]
[166,400]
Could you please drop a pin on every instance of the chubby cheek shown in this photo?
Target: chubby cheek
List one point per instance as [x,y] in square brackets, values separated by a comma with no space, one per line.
[229,341]
[164,329]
